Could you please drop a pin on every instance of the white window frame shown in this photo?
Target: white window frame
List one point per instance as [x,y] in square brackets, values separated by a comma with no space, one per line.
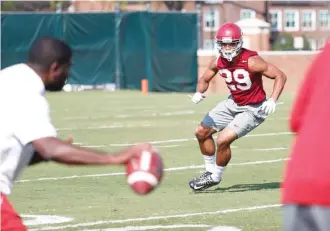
[313,26]
[279,19]
[323,28]
[321,43]
[312,44]
[213,1]
[253,13]
[296,18]
[216,19]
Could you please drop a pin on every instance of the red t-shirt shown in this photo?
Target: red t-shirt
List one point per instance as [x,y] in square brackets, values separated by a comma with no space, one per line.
[307,175]
[245,86]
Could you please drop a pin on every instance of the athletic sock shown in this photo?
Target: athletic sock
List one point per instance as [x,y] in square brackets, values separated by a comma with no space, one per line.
[209,163]
[217,173]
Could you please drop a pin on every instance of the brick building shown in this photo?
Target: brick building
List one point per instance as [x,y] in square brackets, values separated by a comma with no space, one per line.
[308,18]
[299,18]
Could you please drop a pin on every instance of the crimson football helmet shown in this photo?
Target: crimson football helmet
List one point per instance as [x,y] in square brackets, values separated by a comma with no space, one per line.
[229,41]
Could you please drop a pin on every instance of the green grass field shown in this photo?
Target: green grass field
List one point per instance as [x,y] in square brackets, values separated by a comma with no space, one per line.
[98,198]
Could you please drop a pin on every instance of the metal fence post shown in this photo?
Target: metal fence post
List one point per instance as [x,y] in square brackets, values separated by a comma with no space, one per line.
[117,50]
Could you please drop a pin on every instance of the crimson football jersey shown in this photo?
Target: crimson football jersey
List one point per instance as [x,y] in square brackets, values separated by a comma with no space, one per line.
[245,86]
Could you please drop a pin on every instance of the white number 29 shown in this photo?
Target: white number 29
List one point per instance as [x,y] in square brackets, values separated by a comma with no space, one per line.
[239,79]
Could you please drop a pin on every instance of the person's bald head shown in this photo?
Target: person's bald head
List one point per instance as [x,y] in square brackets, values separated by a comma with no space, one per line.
[52,57]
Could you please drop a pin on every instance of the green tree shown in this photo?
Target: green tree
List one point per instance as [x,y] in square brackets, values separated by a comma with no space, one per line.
[7,6]
[174,5]
[284,42]
[307,45]
[32,5]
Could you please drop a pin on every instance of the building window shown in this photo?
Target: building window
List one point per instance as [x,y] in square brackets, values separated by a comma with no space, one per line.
[211,20]
[212,1]
[247,13]
[275,20]
[321,43]
[312,44]
[291,18]
[209,44]
[298,42]
[324,18]
[308,20]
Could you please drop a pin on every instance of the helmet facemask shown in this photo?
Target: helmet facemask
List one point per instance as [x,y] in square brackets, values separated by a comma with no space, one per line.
[229,48]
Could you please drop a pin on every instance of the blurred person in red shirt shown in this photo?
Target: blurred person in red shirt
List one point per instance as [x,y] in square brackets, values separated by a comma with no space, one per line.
[306,186]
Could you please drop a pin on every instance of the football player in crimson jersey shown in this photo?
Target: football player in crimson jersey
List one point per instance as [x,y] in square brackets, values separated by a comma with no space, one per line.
[244,110]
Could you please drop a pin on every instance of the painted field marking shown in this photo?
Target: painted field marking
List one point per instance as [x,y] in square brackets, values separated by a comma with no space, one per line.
[128,220]
[194,139]
[167,170]
[174,226]
[112,126]
[31,220]
[150,227]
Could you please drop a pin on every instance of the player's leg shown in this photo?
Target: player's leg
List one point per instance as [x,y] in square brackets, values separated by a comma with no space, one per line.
[293,221]
[206,144]
[223,156]
[305,218]
[321,217]
[217,119]
[10,220]
[242,124]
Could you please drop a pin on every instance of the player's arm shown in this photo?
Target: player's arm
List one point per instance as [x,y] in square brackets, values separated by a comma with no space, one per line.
[257,64]
[204,81]
[37,158]
[52,148]
[210,72]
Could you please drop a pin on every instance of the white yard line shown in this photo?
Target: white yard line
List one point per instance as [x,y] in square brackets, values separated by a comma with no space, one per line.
[128,220]
[174,113]
[168,146]
[133,115]
[153,227]
[154,142]
[112,126]
[148,113]
[193,139]
[174,226]
[270,149]
[167,169]
[177,145]
[270,134]
[44,219]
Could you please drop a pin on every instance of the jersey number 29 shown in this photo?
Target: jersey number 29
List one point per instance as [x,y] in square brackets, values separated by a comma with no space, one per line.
[238,79]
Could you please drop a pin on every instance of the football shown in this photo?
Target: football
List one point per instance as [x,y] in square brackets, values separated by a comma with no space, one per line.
[145,172]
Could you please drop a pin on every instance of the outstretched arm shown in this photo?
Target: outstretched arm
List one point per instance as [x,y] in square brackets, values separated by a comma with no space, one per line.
[204,81]
[257,64]
[210,72]
[37,158]
[52,148]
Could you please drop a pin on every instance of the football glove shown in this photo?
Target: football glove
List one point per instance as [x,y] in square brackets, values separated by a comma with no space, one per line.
[197,97]
[268,106]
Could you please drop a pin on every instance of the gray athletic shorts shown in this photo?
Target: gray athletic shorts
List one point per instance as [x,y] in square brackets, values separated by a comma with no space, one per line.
[241,119]
[306,218]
